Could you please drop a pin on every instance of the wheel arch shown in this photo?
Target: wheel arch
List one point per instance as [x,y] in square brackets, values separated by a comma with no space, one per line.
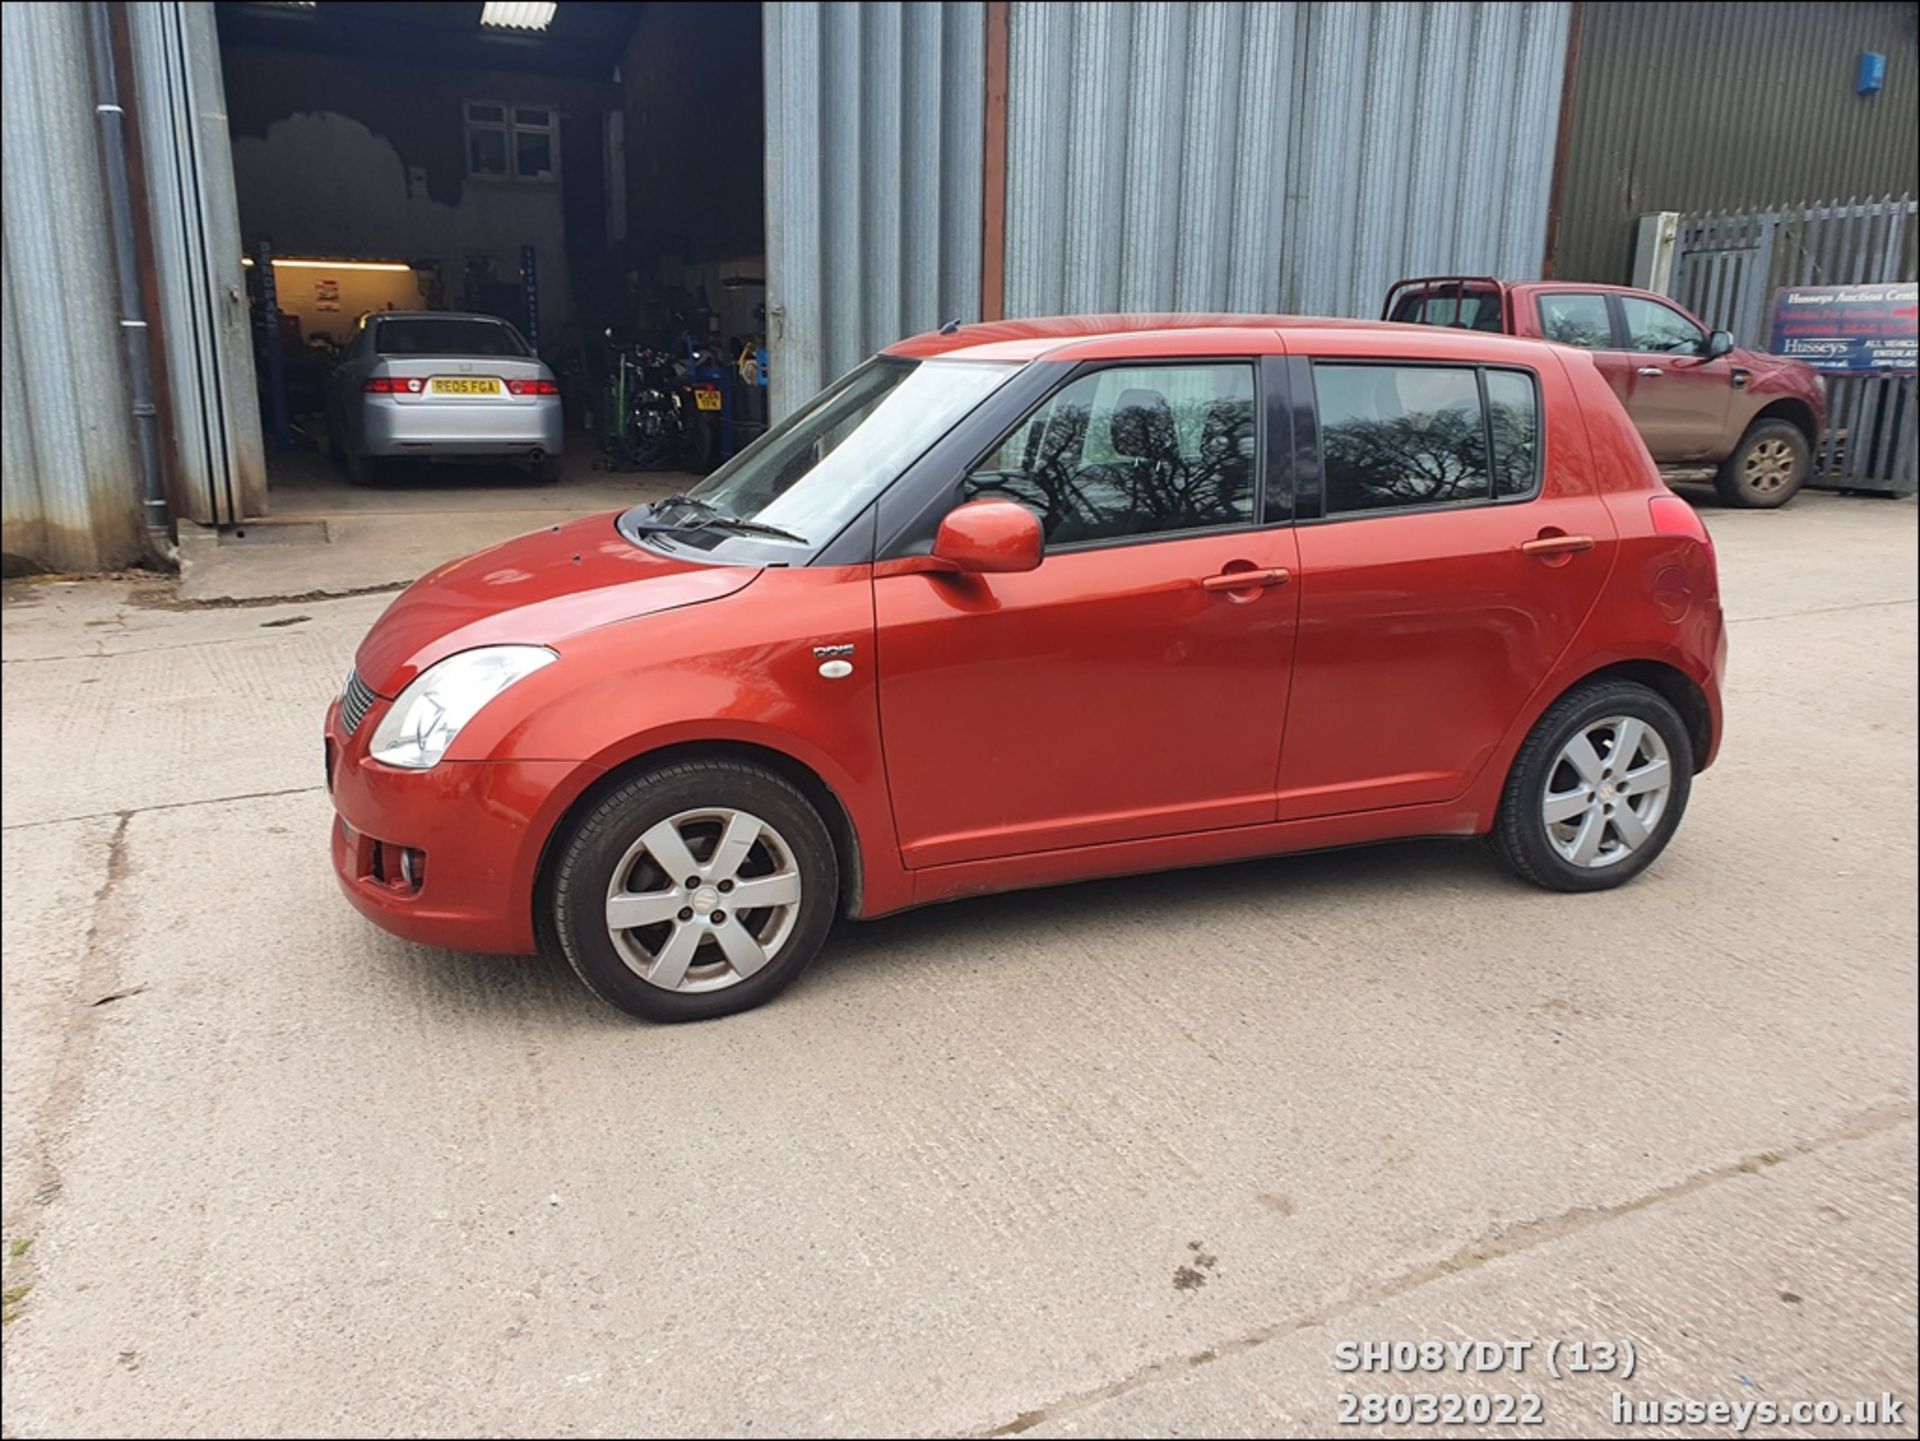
[1795,412]
[1674,685]
[820,795]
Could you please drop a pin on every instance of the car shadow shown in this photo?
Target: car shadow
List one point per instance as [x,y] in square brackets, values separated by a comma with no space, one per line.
[468,989]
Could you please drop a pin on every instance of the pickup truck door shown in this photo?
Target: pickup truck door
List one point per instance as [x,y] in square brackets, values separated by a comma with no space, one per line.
[1585,319]
[1676,396]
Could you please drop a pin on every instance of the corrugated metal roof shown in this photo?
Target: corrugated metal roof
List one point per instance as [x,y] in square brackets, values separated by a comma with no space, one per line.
[1273,157]
[69,488]
[1693,107]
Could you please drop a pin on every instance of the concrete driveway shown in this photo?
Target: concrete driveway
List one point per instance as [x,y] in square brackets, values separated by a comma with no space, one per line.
[1126,1157]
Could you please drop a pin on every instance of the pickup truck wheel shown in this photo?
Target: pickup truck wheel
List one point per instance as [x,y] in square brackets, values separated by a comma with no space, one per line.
[693,891]
[1767,468]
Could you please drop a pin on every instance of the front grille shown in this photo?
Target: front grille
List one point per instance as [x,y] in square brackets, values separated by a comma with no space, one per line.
[354,702]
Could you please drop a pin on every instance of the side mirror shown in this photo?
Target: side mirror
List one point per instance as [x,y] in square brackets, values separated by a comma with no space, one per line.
[988,537]
[1719,343]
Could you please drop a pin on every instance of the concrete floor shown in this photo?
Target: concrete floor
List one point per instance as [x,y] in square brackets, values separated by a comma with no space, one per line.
[325,537]
[1121,1158]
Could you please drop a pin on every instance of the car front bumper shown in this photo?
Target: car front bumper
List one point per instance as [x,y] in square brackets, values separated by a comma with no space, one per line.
[444,856]
[394,428]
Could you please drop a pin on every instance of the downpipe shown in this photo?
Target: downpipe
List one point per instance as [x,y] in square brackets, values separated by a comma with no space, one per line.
[111,123]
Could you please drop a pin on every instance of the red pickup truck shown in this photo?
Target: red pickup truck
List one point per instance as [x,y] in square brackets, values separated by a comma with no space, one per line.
[1708,410]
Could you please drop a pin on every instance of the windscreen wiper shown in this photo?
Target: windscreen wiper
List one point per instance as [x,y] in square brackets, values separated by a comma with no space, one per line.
[713,520]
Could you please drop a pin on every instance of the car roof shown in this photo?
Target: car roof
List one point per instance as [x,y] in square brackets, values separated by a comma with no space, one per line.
[1119,337]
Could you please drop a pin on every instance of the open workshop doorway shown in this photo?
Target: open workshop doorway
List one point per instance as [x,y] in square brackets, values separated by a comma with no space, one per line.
[592,174]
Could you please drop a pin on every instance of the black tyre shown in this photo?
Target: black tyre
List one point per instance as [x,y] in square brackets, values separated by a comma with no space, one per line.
[1767,468]
[365,469]
[1597,789]
[546,470]
[759,890]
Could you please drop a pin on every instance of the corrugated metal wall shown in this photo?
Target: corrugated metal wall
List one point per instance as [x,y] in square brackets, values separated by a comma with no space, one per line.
[1693,107]
[1165,156]
[68,477]
[874,134]
[1253,157]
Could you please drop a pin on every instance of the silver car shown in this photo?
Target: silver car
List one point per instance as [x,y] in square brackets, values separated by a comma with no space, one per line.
[434,385]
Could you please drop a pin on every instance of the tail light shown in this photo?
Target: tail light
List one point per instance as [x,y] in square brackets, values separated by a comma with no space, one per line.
[532,387]
[1673,516]
[390,385]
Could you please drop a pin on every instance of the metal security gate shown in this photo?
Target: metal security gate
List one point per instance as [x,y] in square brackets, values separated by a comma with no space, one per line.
[1726,268]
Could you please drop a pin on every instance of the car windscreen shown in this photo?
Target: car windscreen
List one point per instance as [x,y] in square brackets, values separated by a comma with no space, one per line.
[797,485]
[1470,308]
[436,336]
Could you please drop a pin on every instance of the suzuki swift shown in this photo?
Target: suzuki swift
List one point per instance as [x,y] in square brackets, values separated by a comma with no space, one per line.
[1029,602]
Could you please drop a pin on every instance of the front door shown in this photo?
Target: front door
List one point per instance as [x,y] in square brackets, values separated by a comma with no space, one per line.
[1678,397]
[1438,590]
[1135,684]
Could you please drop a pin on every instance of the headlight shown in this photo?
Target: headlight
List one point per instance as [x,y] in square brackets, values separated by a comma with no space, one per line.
[443,698]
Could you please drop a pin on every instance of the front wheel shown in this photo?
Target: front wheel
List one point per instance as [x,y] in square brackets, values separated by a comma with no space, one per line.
[1767,468]
[1597,789]
[693,891]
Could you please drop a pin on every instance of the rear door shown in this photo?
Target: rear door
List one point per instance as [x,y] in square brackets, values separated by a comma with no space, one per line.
[1678,398]
[1437,587]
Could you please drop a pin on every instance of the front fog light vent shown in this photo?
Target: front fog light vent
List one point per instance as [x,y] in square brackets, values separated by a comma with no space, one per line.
[355,702]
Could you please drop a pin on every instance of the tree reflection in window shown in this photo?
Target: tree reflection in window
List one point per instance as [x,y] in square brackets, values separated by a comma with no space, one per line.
[1132,450]
[1397,436]
[1515,423]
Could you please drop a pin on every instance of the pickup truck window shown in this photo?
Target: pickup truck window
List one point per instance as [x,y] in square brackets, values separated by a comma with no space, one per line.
[1575,319]
[1653,326]
[1468,309]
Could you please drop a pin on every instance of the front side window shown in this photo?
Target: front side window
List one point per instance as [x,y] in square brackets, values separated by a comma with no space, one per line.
[1130,451]
[1403,436]
[1576,320]
[1656,327]
[798,485]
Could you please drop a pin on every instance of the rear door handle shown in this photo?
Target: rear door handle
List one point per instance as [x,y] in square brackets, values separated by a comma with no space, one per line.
[1556,544]
[1650,371]
[1246,579]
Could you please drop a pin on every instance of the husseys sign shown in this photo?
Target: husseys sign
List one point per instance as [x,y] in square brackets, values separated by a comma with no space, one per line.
[1848,329]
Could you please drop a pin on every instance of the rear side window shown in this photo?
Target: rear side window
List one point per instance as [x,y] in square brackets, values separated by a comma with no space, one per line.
[1401,437]
[1130,451]
[1469,310]
[435,336]
[1577,320]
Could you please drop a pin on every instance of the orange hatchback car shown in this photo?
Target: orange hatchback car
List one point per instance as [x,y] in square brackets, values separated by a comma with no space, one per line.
[1022,603]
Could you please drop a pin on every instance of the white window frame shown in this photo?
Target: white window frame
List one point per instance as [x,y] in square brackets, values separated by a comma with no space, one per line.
[509,127]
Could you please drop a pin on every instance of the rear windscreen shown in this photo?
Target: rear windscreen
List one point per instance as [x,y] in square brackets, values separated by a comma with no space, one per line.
[447,337]
[1471,310]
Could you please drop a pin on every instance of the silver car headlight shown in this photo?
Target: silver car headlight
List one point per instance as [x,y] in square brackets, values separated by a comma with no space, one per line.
[440,700]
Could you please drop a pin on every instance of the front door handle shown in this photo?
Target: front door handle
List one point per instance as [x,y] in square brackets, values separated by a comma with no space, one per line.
[1556,544]
[1650,371]
[1246,579]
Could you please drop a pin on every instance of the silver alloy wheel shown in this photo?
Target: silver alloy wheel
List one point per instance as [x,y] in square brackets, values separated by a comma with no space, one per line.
[1768,467]
[703,900]
[1606,791]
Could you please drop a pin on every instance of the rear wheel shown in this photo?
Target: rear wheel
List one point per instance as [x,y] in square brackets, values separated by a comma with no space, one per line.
[1597,789]
[693,891]
[1768,466]
[546,470]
